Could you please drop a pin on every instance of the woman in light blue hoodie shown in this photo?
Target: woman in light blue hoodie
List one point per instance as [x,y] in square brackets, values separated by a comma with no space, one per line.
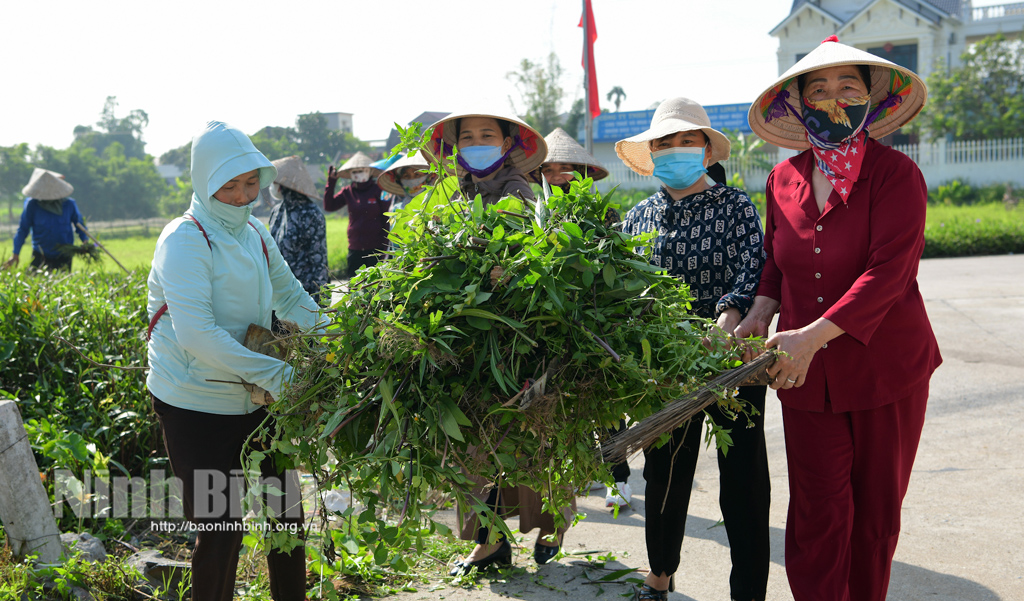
[216,270]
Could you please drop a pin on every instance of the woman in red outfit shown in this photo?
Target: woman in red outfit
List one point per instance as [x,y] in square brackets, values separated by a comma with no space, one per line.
[844,233]
[367,223]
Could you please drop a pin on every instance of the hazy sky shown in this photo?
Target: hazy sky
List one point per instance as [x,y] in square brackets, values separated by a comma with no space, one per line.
[260,63]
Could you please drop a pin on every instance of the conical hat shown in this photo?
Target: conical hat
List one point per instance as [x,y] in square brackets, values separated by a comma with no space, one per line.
[672,116]
[358,161]
[388,180]
[292,173]
[562,148]
[527,157]
[775,124]
[47,185]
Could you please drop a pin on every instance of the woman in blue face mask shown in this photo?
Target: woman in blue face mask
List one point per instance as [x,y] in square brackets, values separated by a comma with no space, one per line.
[709,236]
[495,152]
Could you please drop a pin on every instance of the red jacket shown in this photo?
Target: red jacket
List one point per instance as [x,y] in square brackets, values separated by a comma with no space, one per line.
[855,265]
[367,224]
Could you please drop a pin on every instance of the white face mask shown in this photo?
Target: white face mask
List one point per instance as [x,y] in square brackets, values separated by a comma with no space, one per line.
[360,175]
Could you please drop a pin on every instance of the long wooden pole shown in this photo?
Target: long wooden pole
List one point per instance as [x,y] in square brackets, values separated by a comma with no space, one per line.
[103,248]
[589,122]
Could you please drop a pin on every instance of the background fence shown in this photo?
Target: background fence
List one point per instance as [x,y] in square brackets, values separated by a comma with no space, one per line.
[975,162]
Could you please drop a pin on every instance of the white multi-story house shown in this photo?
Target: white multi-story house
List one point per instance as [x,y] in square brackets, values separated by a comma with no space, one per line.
[911,33]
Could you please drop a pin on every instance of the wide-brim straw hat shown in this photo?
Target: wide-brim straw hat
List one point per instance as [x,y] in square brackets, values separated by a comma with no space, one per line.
[292,173]
[47,185]
[776,125]
[527,157]
[562,148]
[358,161]
[388,181]
[672,116]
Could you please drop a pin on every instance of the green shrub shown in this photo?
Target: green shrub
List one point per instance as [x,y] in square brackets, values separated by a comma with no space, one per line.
[989,229]
[79,415]
[957,193]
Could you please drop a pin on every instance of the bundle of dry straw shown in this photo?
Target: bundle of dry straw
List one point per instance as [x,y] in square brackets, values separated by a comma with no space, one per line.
[674,415]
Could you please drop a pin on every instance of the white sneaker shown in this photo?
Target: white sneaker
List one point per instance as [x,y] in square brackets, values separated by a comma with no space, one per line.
[621,498]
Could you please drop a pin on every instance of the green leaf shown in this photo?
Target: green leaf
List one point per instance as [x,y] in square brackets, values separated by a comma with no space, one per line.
[449,416]
[609,274]
[572,229]
[646,346]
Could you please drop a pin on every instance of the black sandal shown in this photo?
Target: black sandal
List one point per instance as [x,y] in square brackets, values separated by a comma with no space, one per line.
[502,558]
[646,593]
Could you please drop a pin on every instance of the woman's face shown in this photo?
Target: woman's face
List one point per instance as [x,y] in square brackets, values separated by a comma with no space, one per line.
[240,190]
[557,174]
[482,131]
[682,139]
[844,81]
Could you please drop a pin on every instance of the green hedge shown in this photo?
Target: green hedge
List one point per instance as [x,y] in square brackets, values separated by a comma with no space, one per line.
[79,415]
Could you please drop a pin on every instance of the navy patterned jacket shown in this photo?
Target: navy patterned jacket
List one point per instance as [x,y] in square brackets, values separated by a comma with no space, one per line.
[300,230]
[711,240]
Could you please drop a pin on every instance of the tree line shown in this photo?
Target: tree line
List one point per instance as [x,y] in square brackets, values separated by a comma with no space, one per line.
[114,177]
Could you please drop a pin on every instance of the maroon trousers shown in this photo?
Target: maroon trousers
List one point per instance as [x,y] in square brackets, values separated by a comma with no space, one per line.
[204,447]
[848,474]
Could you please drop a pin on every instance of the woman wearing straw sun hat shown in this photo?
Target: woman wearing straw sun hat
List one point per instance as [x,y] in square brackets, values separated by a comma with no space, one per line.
[298,226]
[844,233]
[52,217]
[710,237]
[566,156]
[404,179]
[495,152]
[367,224]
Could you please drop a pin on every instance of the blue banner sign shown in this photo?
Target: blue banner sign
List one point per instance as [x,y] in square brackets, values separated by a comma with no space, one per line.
[612,127]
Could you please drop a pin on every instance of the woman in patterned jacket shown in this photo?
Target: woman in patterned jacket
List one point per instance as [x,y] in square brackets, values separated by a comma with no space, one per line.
[710,237]
[298,226]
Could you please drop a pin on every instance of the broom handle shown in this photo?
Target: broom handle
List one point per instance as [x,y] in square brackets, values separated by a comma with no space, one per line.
[103,248]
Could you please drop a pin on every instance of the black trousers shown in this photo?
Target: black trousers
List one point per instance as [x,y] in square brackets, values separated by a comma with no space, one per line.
[205,446]
[56,262]
[359,258]
[744,499]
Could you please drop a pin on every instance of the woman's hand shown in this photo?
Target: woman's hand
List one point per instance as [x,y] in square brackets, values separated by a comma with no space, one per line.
[726,323]
[797,349]
[332,173]
[756,323]
[12,262]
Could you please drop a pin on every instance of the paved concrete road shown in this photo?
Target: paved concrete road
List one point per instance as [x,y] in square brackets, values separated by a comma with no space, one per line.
[963,518]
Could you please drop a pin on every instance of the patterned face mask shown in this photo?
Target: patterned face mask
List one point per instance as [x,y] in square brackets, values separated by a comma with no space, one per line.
[832,121]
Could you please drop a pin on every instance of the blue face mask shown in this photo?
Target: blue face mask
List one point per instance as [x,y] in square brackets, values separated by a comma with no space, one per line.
[481,157]
[679,168]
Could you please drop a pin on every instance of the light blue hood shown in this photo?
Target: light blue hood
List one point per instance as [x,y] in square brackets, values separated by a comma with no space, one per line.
[215,283]
[219,153]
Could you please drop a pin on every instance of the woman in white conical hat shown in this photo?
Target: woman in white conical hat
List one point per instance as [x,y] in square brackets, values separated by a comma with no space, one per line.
[495,153]
[709,236]
[566,157]
[405,179]
[844,231]
[367,222]
[299,227]
[51,217]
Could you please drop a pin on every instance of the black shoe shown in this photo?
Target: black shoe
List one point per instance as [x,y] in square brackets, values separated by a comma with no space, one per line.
[502,558]
[542,554]
[646,593]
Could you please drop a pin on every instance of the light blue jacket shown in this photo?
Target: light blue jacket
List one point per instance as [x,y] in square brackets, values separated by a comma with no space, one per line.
[213,292]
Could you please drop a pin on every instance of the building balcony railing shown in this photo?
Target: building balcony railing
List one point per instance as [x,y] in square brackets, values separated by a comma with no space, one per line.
[1000,11]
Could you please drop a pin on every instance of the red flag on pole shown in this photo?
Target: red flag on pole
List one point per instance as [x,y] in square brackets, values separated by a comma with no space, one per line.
[590,36]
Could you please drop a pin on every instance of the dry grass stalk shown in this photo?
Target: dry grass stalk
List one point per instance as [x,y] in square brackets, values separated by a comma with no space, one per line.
[675,414]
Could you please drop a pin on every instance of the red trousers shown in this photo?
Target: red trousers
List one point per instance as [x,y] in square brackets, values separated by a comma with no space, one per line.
[848,474]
